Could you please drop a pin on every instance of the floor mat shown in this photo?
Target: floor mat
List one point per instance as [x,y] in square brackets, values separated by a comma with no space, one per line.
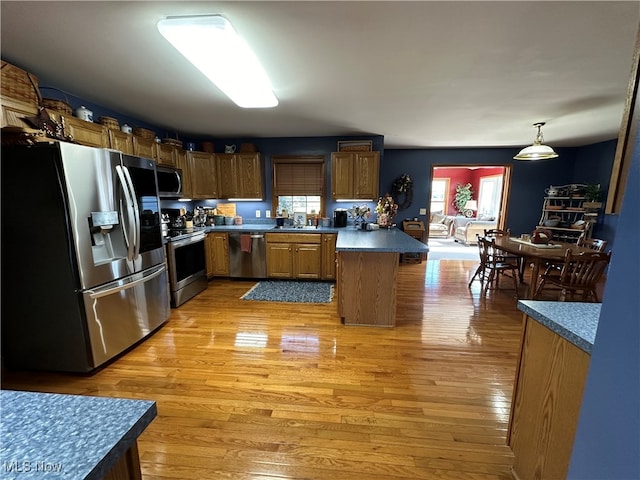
[290,291]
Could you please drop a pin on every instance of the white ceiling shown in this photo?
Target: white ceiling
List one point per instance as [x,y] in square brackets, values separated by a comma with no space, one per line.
[423,74]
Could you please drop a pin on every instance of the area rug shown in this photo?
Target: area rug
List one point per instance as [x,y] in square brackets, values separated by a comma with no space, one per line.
[290,291]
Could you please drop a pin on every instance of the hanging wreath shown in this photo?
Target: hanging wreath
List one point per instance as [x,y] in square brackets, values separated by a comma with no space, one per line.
[403,191]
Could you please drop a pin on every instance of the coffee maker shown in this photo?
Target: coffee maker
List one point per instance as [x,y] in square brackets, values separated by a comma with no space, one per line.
[340,217]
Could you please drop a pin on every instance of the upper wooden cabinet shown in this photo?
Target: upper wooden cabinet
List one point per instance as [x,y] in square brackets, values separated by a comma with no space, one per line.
[183,163]
[13,111]
[355,175]
[120,141]
[165,154]
[202,169]
[240,175]
[144,147]
[87,133]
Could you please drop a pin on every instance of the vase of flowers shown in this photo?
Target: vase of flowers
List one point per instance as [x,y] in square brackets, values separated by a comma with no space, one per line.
[359,213]
[386,210]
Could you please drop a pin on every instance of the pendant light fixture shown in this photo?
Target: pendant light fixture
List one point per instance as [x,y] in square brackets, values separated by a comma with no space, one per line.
[537,151]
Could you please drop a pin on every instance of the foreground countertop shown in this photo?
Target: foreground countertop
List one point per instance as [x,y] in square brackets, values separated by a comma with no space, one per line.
[47,435]
[576,322]
[381,241]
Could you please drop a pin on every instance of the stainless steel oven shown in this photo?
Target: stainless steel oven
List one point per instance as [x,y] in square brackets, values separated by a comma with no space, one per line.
[187,265]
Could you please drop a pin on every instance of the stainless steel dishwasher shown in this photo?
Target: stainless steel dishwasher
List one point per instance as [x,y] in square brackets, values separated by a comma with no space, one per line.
[248,255]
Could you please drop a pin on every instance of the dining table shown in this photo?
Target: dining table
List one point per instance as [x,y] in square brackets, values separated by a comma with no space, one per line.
[537,254]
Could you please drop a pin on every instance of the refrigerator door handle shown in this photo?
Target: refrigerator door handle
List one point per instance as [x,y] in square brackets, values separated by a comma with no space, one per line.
[93,294]
[130,214]
[136,213]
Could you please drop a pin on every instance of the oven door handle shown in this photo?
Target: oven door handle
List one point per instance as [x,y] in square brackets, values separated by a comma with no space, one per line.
[186,241]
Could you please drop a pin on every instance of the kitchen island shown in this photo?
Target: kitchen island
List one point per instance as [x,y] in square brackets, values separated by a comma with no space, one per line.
[555,352]
[46,435]
[367,276]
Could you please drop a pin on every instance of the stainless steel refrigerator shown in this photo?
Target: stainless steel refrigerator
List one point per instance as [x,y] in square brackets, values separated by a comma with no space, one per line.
[83,267]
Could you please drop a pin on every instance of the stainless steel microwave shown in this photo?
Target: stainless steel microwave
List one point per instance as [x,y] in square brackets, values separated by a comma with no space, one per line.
[169,182]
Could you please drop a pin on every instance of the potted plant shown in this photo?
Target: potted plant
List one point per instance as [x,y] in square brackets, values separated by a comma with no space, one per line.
[463,195]
[592,196]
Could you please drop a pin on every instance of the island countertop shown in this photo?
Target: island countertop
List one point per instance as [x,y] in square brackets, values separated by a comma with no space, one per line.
[390,240]
[576,322]
[67,436]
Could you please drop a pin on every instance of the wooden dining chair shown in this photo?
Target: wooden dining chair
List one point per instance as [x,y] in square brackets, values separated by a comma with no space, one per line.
[496,232]
[492,266]
[593,243]
[579,273]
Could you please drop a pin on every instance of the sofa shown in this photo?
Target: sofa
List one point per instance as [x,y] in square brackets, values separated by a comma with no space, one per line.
[465,229]
[440,225]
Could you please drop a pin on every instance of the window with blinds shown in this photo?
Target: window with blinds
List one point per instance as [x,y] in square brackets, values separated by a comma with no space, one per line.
[298,184]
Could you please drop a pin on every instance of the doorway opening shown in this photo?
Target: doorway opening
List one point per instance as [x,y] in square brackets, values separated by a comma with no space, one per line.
[461,194]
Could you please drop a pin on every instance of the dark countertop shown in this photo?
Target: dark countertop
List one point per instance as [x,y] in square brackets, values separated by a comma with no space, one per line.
[46,435]
[576,322]
[349,239]
[380,241]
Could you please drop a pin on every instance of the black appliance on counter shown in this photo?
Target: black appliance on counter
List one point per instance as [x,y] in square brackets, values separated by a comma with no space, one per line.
[340,217]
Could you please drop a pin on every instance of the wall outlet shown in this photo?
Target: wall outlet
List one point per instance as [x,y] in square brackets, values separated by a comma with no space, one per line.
[257,213]
[267,213]
[423,211]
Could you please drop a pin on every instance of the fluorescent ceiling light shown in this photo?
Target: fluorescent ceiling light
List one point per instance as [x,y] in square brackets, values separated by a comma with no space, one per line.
[214,47]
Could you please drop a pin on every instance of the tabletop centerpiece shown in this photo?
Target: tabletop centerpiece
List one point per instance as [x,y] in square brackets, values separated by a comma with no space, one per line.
[386,210]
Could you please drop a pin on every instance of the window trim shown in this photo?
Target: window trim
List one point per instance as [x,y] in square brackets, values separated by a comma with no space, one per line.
[321,159]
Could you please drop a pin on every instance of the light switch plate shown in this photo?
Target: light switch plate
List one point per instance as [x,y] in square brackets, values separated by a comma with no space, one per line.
[423,211]
[267,213]
[257,213]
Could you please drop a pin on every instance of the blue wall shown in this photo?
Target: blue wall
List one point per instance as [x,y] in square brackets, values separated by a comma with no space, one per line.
[588,164]
[607,443]
[529,179]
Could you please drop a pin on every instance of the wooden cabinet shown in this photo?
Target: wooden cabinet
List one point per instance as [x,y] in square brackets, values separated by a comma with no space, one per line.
[367,287]
[183,164]
[550,381]
[120,141]
[217,247]
[143,147]
[355,175]
[294,255]
[165,154]
[329,256]
[87,133]
[202,169]
[240,175]
[14,110]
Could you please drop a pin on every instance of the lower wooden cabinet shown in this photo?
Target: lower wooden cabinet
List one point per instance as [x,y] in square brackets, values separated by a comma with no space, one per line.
[217,249]
[329,256]
[294,255]
[550,381]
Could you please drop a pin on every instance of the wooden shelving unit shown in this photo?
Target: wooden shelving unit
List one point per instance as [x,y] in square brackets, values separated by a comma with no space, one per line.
[576,216]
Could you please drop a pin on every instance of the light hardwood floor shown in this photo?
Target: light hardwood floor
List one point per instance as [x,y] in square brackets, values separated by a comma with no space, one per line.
[256,390]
